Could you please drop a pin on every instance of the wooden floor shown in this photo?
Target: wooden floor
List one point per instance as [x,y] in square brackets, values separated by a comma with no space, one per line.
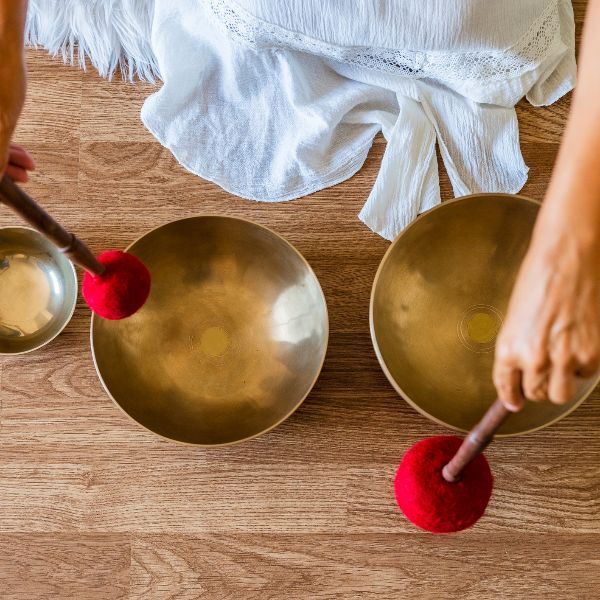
[93,506]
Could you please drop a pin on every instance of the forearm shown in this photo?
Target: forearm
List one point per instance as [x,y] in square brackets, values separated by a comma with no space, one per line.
[12,78]
[573,196]
[12,25]
[12,67]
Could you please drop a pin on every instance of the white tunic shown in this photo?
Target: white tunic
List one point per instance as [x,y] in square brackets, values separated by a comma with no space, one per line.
[275,100]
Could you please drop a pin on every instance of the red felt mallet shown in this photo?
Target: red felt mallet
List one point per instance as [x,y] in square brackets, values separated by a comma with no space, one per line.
[444,484]
[115,284]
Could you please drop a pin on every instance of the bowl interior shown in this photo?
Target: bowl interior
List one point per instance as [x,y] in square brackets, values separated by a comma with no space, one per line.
[438,301]
[38,290]
[230,341]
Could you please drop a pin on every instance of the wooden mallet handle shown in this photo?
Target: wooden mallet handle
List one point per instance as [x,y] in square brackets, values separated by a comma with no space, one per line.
[14,197]
[476,441]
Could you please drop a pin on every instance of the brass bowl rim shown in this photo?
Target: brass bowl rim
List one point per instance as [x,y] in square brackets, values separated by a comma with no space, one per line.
[389,376]
[74,303]
[317,372]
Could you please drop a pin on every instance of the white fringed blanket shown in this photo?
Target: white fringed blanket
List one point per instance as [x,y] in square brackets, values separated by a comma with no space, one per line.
[110,34]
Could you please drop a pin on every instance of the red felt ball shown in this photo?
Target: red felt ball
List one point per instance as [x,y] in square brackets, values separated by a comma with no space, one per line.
[121,290]
[432,503]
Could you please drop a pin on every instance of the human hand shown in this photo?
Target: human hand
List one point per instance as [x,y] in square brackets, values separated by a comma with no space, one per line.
[552,330]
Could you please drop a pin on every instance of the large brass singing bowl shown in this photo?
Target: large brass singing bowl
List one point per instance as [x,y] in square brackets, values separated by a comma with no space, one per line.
[438,300]
[230,341]
[38,290]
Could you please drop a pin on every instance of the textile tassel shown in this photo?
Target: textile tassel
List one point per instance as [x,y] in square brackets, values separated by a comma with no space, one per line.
[111,34]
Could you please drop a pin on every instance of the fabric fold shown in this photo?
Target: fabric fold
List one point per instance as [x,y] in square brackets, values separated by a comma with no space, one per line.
[559,74]
[407,182]
[479,143]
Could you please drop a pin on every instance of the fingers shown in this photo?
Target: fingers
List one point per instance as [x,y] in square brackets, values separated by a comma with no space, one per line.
[507,379]
[535,366]
[588,352]
[561,385]
[18,163]
[17,174]
[3,162]
[535,384]
[567,364]
[536,375]
[587,368]
[18,156]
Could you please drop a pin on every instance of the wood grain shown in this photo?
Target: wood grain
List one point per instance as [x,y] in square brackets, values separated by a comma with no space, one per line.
[396,565]
[41,566]
[93,506]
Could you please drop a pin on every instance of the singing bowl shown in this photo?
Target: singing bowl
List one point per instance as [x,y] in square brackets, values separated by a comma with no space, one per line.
[438,301]
[230,341]
[38,290]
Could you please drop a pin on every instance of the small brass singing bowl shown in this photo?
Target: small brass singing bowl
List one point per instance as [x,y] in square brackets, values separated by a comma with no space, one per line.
[438,300]
[38,290]
[230,341]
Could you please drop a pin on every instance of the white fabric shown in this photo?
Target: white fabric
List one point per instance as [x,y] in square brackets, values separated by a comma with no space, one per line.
[399,25]
[111,34]
[275,100]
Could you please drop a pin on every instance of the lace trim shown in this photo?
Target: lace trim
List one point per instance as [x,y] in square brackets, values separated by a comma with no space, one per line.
[521,57]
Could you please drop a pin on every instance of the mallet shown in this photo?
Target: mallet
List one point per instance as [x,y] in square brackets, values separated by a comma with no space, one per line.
[444,484]
[115,284]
